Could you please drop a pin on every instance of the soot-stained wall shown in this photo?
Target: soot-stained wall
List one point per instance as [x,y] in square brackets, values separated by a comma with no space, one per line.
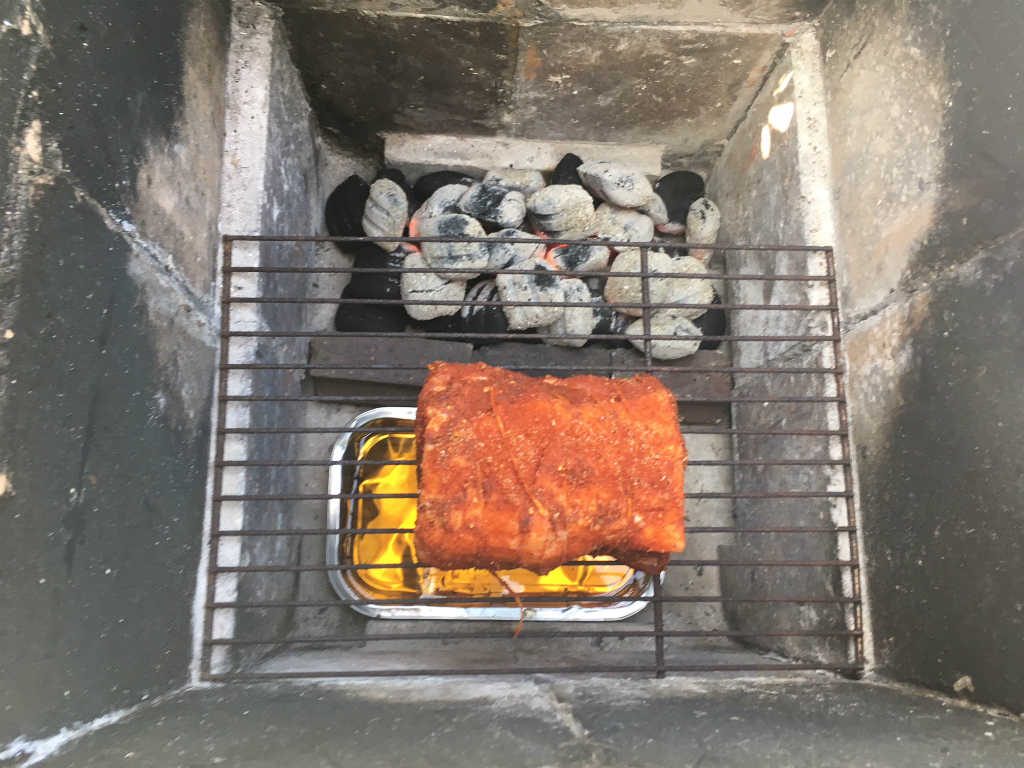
[112,114]
[926,127]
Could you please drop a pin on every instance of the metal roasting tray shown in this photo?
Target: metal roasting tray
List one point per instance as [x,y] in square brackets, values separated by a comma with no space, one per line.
[343,478]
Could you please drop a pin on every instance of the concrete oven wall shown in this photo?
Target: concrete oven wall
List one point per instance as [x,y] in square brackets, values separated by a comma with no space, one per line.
[680,74]
[926,116]
[770,195]
[112,127]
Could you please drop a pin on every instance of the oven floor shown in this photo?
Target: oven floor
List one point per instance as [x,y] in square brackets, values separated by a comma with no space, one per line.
[802,721]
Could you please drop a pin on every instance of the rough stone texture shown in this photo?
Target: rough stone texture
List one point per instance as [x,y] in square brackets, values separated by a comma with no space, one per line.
[939,411]
[527,75]
[952,142]
[725,12]
[692,11]
[103,482]
[270,186]
[888,159]
[418,154]
[932,302]
[763,201]
[107,351]
[814,721]
[682,88]
[368,72]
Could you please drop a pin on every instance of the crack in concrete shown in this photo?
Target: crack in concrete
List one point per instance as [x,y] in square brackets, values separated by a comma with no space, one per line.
[951,274]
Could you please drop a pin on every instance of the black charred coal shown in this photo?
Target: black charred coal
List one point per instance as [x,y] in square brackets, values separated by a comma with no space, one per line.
[343,212]
[376,285]
[483,319]
[475,324]
[429,183]
[399,178]
[712,323]
[370,318]
[679,190]
[565,172]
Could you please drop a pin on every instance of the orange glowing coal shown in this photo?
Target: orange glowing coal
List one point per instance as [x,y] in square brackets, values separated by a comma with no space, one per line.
[414,231]
[381,476]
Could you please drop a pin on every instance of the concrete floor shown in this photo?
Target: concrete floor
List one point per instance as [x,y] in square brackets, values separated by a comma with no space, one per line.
[814,721]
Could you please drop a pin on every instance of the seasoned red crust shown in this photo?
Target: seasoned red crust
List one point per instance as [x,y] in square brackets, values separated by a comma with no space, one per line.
[518,472]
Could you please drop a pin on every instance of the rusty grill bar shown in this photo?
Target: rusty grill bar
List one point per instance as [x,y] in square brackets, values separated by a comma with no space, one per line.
[239,619]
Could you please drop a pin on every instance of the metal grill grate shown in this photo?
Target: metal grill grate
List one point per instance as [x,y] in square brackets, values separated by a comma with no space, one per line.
[787,540]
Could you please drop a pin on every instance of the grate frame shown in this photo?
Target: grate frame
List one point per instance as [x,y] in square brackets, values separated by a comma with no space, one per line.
[221,602]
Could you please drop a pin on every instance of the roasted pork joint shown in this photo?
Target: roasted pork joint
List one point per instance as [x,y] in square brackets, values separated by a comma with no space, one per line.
[518,472]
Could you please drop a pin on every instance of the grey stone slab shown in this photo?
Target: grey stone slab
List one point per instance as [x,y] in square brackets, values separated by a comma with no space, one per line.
[922,187]
[354,355]
[822,723]
[593,360]
[677,87]
[692,11]
[936,397]
[813,721]
[367,73]
[928,207]
[104,479]
[658,11]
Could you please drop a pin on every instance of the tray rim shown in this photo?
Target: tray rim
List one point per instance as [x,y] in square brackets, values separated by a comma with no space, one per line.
[572,612]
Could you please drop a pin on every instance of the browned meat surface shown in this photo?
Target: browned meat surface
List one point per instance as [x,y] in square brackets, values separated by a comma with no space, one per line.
[524,472]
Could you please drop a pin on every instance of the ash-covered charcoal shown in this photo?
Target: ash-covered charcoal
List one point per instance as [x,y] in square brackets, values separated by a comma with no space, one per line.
[678,190]
[712,323]
[494,204]
[395,175]
[488,319]
[566,171]
[662,290]
[376,285]
[427,286]
[386,212]
[541,285]
[666,322]
[472,257]
[655,208]
[623,224]
[429,183]
[504,254]
[624,187]
[574,321]
[690,290]
[580,257]
[629,290]
[444,200]
[562,210]
[702,224]
[343,212]
[526,182]
[369,318]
